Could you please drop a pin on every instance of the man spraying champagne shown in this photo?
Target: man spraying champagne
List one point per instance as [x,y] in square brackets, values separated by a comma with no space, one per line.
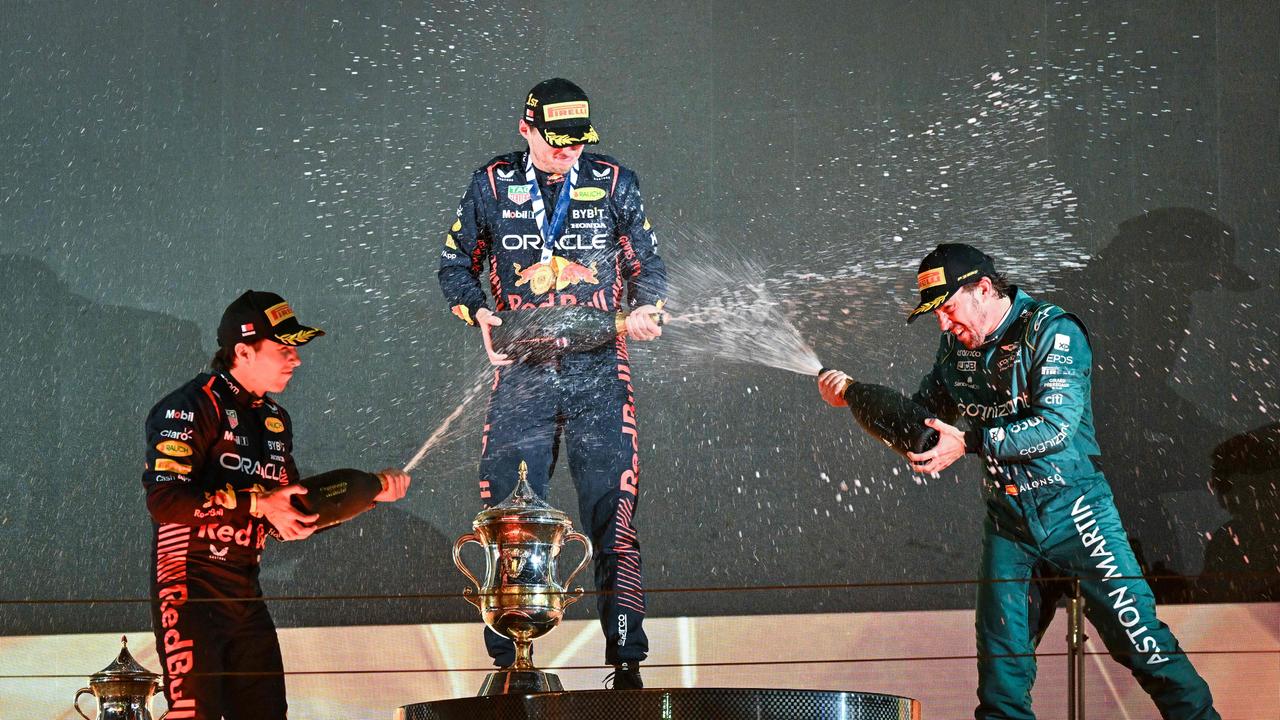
[1017,372]
[561,227]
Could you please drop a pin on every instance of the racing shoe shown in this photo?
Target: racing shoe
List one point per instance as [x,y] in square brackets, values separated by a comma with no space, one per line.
[625,676]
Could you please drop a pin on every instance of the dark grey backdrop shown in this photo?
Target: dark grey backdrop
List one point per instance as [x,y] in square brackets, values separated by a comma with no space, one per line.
[159,158]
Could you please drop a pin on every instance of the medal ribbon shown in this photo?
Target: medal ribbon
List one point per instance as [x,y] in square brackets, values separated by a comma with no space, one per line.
[550,232]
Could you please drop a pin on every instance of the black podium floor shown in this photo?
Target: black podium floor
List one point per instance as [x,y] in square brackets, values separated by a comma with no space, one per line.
[672,704]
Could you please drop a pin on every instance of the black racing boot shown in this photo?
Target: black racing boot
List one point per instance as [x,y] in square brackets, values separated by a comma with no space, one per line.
[625,676]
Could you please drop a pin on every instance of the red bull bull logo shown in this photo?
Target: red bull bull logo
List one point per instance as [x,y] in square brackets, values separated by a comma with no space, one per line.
[558,274]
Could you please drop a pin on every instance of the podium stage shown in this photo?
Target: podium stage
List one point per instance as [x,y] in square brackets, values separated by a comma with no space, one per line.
[672,704]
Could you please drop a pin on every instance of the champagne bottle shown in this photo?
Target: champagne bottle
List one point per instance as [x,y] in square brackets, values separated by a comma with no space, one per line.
[889,416]
[543,334]
[338,495]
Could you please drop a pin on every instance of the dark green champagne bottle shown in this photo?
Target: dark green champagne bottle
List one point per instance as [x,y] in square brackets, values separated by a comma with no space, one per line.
[338,495]
[543,334]
[890,416]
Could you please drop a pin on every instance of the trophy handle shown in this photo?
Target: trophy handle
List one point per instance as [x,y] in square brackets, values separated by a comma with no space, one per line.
[457,560]
[76,703]
[586,558]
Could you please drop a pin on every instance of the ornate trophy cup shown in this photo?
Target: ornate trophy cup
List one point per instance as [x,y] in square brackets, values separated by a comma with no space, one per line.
[123,689]
[520,599]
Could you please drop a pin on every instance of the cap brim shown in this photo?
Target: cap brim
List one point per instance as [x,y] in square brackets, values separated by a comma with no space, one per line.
[296,336]
[927,306]
[567,135]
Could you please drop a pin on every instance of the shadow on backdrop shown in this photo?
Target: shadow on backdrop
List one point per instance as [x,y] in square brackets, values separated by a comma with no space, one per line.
[1136,297]
[1246,479]
[77,380]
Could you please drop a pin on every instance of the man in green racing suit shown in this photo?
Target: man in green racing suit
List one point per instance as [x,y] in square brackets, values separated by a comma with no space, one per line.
[1017,371]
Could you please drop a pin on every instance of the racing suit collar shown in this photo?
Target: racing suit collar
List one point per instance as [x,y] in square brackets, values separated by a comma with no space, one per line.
[238,391]
[527,162]
[1020,300]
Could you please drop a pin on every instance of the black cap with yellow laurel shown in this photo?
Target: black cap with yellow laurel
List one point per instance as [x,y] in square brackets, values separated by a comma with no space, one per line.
[948,268]
[258,315]
[561,113]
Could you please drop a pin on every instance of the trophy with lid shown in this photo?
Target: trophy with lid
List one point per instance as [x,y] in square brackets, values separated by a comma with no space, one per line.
[123,689]
[520,598]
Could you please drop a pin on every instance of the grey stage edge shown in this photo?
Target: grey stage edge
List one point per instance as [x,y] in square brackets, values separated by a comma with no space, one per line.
[671,704]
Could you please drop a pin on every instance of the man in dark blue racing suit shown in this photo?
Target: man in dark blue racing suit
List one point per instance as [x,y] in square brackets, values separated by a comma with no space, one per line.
[1017,372]
[220,478]
[558,226]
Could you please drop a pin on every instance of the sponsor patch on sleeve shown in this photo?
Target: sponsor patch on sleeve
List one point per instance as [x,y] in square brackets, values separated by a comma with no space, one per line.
[174,448]
[165,465]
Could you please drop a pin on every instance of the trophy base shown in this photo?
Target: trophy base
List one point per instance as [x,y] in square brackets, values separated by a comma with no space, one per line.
[519,682]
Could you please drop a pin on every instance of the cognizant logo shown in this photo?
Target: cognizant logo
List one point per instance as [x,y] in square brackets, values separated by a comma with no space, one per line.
[986,412]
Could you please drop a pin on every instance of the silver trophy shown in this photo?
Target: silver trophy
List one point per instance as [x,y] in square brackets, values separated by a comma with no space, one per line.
[123,689]
[520,598]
